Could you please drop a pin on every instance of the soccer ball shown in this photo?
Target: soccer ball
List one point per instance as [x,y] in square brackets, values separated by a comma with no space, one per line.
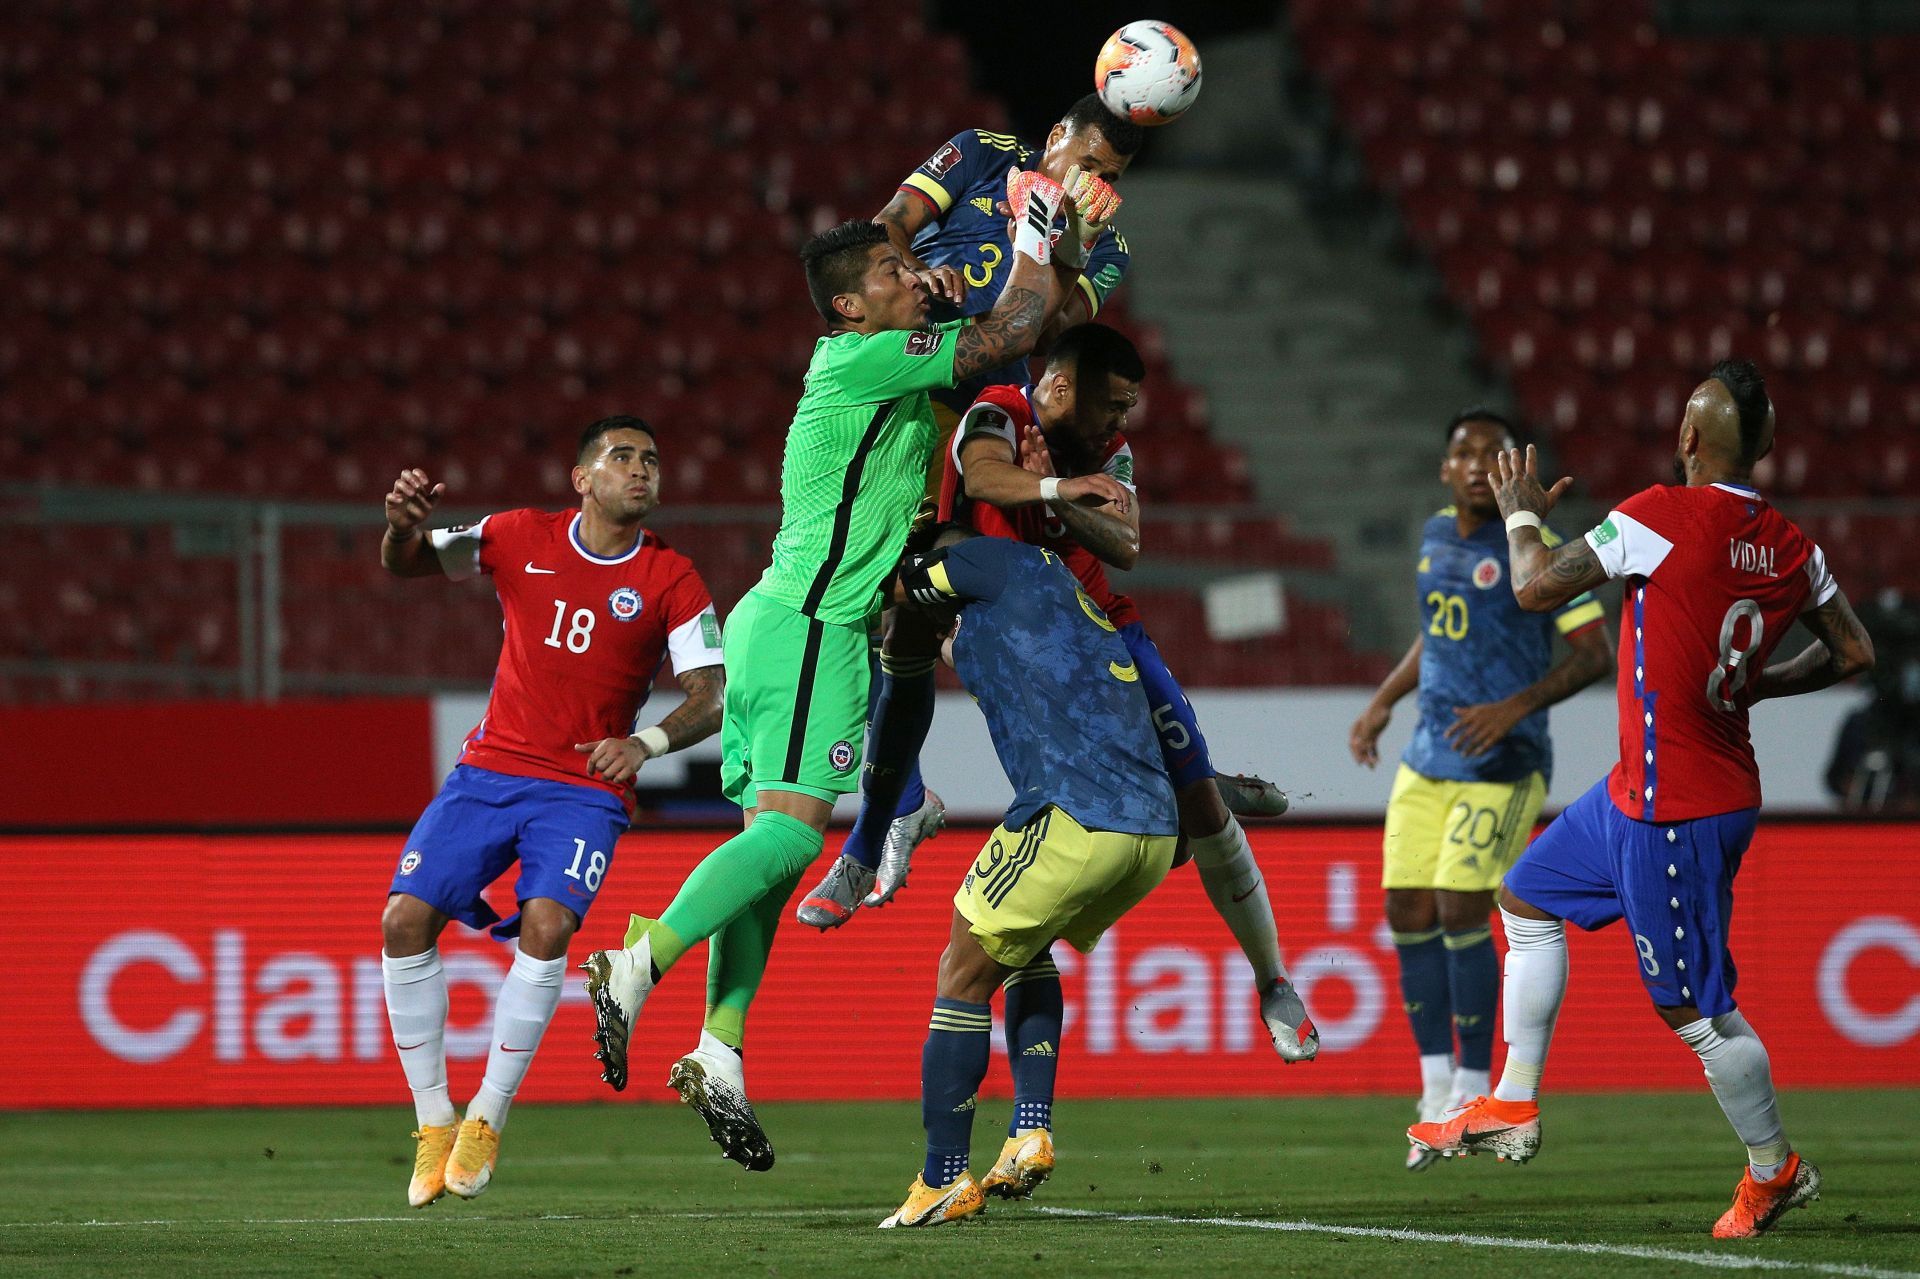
[1147,72]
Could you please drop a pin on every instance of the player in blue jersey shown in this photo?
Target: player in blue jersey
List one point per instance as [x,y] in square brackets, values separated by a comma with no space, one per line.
[1472,780]
[1091,831]
[949,221]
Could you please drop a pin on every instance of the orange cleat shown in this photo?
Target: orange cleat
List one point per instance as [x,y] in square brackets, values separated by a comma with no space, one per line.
[431,1147]
[1510,1129]
[1758,1204]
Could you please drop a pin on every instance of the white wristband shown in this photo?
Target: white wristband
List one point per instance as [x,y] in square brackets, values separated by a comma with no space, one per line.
[1049,487]
[653,740]
[1522,519]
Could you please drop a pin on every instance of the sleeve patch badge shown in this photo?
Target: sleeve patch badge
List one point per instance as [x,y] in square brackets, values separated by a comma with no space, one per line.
[1605,533]
[923,343]
[710,629]
[942,162]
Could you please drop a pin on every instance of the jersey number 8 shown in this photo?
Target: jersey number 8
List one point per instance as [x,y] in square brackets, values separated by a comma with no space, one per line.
[1730,673]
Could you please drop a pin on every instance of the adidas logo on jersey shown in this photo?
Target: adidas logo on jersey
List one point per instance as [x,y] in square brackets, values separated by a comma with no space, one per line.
[982,203]
[1042,1049]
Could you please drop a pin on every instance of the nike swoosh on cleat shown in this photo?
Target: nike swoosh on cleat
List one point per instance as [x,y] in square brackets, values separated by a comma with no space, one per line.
[1250,892]
[548,571]
[1472,1138]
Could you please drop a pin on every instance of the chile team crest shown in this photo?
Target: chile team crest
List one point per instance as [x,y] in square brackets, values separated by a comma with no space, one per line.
[624,604]
[1486,574]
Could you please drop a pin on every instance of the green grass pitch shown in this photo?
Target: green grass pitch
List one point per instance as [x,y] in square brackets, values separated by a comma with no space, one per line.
[633,1189]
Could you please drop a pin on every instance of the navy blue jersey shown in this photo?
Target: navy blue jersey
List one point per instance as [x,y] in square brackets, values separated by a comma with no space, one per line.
[965,183]
[1481,646]
[1059,689]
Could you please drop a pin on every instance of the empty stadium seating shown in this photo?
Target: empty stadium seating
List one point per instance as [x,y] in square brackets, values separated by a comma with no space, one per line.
[1615,208]
[280,248]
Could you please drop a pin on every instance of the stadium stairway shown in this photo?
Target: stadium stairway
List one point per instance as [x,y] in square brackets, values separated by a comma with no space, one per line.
[1321,355]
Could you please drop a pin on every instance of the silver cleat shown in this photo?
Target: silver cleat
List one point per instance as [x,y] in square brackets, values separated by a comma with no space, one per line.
[903,836]
[1248,796]
[1294,1036]
[835,898]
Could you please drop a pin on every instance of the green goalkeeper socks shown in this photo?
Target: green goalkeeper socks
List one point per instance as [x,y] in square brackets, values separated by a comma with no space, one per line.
[774,850]
[737,959]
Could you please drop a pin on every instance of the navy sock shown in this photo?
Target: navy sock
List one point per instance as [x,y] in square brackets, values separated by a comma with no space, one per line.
[1034,1013]
[1423,988]
[959,1041]
[898,717]
[1473,986]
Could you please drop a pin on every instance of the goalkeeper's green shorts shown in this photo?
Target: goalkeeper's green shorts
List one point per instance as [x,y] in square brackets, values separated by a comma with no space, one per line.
[796,702]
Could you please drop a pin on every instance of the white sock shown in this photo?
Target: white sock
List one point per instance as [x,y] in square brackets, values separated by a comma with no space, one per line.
[520,1015]
[1436,1074]
[1472,1083]
[1228,871]
[1536,982]
[416,989]
[1736,1064]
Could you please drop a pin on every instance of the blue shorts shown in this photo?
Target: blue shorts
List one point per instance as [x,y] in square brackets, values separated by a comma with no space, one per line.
[482,821]
[1182,748]
[1671,881]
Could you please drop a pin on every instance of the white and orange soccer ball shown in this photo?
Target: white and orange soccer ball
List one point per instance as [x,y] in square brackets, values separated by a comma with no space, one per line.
[1147,72]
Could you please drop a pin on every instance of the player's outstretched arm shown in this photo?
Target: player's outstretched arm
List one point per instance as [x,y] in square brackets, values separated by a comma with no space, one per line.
[1031,298]
[1363,739]
[1543,579]
[903,217]
[405,550]
[1841,649]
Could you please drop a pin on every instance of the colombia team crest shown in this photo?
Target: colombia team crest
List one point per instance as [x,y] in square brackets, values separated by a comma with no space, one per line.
[624,604]
[1486,574]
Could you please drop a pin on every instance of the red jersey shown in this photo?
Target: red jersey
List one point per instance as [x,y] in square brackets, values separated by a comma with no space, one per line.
[1005,412]
[1715,579]
[585,637]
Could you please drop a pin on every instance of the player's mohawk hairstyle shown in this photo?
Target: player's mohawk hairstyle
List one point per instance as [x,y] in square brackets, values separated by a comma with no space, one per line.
[1749,391]
[1123,135]
[836,259]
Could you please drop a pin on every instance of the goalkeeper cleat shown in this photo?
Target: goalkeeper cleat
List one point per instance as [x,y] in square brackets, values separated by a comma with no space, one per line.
[432,1145]
[1509,1129]
[835,898]
[1248,796]
[470,1163]
[904,835]
[1758,1204]
[618,982]
[1025,1161]
[1294,1035]
[937,1205]
[710,1080]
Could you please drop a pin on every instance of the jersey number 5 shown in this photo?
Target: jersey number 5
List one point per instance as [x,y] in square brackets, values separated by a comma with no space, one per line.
[1730,673]
[579,634]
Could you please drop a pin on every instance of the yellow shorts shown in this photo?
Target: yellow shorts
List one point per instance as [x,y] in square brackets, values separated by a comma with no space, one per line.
[1056,879]
[1460,836]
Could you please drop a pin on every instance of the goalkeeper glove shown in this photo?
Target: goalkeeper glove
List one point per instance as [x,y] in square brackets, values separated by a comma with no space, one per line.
[1091,203]
[1033,198]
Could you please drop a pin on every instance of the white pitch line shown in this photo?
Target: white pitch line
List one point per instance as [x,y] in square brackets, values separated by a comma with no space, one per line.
[1711,1260]
[424,1215]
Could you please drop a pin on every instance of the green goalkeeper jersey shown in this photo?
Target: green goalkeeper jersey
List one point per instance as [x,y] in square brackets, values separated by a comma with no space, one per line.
[856,468]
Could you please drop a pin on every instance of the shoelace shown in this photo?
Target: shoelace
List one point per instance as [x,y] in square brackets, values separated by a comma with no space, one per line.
[481,1142]
[426,1158]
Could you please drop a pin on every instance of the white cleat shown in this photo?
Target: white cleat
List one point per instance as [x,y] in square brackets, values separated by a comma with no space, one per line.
[712,1081]
[618,983]
[903,836]
[1294,1035]
[1432,1109]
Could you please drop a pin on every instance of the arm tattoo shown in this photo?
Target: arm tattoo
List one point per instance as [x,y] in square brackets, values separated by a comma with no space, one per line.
[1574,562]
[1110,538]
[1544,579]
[697,718]
[1841,648]
[1002,335]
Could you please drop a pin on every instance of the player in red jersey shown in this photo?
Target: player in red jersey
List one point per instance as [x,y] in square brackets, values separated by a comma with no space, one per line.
[594,605]
[1715,577]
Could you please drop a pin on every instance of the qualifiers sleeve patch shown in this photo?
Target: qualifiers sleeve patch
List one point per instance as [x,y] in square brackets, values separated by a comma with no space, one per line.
[942,162]
[923,343]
